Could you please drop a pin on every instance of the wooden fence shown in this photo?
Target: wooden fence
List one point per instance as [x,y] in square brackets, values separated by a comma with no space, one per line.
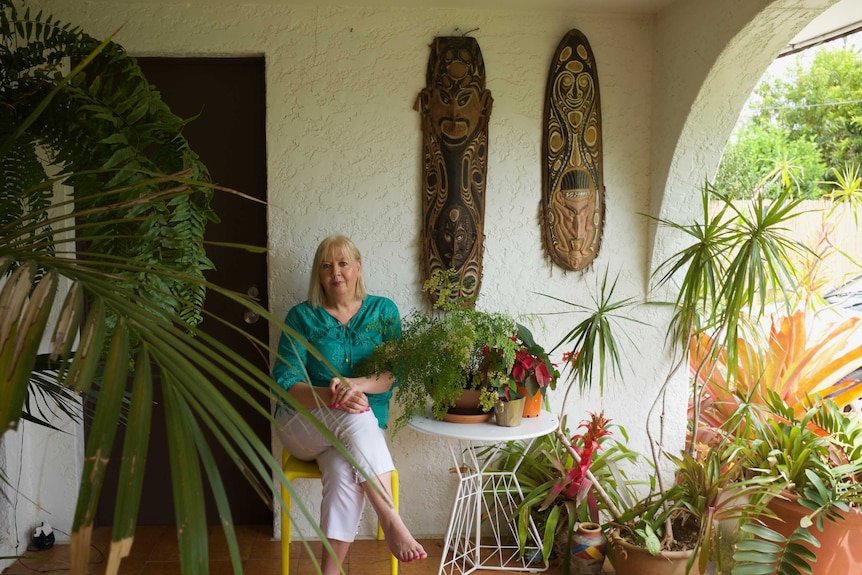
[833,233]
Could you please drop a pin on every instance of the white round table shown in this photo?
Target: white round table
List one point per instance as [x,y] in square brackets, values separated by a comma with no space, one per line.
[483,526]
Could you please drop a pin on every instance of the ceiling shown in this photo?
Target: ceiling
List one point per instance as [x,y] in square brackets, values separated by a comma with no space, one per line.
[620,6]
[845,17]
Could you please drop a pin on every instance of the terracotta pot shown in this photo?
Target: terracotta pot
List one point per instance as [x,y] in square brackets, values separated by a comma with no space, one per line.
[467,409]
[840,542]
[469,400]
[532,405]
[630,559]
[509,412]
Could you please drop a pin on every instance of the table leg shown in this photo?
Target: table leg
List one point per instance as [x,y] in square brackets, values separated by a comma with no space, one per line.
[460,547]
[487,499]
[501,495]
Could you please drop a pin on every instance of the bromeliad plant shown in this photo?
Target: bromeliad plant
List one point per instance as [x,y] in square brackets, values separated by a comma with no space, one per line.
[790,362]
[562,480]
[706,492]
[814,456]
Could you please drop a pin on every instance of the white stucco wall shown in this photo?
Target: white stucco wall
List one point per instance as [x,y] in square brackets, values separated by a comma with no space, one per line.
[45,487]
[344,146]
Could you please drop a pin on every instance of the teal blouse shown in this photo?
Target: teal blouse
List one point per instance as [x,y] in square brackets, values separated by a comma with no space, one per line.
[344,345]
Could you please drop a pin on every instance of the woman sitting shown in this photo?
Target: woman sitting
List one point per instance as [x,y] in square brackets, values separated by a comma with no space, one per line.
[344,324]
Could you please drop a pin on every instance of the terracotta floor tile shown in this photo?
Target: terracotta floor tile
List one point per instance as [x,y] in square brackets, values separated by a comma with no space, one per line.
[162,568]
[262,567]
[266,549]
[156,552]
[218,547]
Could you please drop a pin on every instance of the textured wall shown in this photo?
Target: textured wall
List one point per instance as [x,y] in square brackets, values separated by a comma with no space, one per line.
[711,56]
[343,147]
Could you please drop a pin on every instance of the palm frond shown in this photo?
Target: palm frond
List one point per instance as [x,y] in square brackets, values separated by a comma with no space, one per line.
[122,263]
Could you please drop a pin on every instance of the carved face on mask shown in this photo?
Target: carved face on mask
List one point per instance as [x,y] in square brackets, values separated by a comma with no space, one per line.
[573,190]
[458,97]
[455,109]
[455,238]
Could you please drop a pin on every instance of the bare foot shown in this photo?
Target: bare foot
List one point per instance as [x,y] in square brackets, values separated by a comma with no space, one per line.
[402,544]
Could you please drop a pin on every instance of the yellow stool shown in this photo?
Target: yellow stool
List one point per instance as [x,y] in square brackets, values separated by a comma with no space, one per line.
[298,469]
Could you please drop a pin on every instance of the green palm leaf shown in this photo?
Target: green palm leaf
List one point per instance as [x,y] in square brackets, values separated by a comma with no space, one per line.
[128,252]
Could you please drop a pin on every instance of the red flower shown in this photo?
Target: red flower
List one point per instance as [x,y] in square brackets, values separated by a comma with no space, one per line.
[524,363]
[575,485]
[543,376]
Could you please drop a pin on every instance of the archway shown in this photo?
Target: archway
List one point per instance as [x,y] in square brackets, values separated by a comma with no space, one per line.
[690,139]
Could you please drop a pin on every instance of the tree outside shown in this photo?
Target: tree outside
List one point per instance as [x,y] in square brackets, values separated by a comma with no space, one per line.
[802,129]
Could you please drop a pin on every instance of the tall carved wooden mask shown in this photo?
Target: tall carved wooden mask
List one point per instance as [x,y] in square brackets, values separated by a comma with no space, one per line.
[573,191]
[455,108]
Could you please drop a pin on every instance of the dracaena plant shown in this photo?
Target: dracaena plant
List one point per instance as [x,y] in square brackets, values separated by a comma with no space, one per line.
[736,262]
[592,348]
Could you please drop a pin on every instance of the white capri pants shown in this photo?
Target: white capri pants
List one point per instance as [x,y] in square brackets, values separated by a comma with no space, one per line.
[343,498]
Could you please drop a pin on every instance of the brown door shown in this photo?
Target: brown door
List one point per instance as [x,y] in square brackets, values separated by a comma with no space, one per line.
[229,99]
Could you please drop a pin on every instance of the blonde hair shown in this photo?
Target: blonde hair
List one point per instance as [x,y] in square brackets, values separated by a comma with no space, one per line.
[331,246]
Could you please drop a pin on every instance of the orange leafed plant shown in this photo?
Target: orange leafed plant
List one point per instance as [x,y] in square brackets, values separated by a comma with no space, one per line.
[793,363]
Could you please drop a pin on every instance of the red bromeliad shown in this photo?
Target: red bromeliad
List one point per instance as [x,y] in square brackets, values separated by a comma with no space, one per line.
[574,483]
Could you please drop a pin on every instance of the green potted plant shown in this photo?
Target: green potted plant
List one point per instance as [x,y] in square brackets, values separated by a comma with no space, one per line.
[739,267]
[800,446]
[561,479]
[760,394]
[439,353]
[810,465]
[736,257]
[591,353]
[706,493]
[526,379]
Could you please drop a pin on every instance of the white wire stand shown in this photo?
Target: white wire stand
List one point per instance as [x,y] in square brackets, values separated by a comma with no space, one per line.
[483,527]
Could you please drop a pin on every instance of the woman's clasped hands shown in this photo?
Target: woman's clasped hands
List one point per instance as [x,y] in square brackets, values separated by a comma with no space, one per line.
[347,397]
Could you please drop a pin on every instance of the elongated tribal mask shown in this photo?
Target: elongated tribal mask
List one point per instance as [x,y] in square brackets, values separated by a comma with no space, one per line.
[455,108]
[573,191]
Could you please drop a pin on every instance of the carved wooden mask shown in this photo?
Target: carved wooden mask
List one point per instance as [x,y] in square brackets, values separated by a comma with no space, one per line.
[455,108]
[573,191]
